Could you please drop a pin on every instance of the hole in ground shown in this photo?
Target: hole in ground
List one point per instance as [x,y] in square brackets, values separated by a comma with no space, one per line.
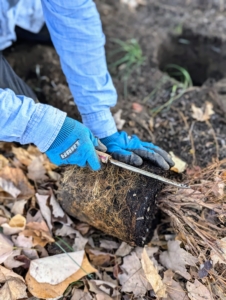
[201,56]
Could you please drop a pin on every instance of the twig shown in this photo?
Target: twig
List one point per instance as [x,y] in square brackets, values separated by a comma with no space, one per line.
[192,143]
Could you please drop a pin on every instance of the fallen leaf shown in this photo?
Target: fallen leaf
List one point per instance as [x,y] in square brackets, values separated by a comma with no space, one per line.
[204,268]
[80,242]
[152,275]
[19,180]
[133,278]
[18,207]
[215,257]
[175,258]
[137,107]
[174,289]
[12,285]
[104,290]
[22,155]
[21,241]
[36,170]
[123,250]
[98,258]
[108,244]
[204,113]
[118,121]
[9,187]
[78,294]
[133,3]
[198,291]
[10,262]
[39,232]
[180,165]
[6,248]
[3,161]
[48,279]
[15,225]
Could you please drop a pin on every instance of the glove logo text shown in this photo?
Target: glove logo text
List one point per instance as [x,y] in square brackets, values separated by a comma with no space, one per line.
[70,150]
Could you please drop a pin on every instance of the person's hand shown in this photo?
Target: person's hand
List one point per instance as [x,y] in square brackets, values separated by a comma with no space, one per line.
[75,145]
[131,150]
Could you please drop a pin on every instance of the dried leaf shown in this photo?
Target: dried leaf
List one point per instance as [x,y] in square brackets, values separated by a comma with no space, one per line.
[133,278]
[39,232]
[22,155]
[9,187]
[15,225]
[80,295]
[80,242]
[48,279]
[13,285]
[180,165]
[6,248]
[99,258]
[10,262]
[108,244]
[174,289]
[18,179]
[104,290]
[36,170]
[175,258]
[215,257]
[3,161]
[137,107]
[18,207]
[197,291]
[123,250]
[204,113]
[152,275]
[118,121]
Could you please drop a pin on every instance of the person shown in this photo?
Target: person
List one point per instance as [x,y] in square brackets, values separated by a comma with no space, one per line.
[76,33]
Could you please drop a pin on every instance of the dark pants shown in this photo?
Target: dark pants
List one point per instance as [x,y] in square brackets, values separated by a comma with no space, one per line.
[9,79]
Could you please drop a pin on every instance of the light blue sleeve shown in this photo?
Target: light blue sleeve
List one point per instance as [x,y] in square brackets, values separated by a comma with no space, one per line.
[76,32]
[25,122]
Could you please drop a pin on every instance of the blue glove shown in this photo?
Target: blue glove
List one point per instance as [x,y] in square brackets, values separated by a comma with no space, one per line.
[130,150]
[75,145]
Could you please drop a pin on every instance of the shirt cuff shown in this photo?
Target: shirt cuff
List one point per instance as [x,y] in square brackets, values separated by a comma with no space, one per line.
[101,124]
[44,126]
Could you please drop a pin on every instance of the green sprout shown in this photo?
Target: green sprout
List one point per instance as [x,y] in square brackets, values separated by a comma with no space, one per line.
[130,59]
[179,87]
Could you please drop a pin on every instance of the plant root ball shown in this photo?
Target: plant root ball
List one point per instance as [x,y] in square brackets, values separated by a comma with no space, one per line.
[119,202]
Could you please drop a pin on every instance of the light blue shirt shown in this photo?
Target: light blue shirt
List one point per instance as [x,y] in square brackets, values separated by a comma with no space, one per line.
[76,32]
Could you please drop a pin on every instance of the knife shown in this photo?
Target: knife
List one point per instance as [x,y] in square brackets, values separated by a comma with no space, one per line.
[105,158]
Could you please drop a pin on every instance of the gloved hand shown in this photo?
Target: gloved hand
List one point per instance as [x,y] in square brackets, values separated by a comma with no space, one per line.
[130,150]
[75,145]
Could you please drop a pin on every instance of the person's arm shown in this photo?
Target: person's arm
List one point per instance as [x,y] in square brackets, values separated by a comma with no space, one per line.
[23,121]
[77,35]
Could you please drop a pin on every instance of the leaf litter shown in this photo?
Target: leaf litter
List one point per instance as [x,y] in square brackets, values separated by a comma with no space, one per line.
[185,262]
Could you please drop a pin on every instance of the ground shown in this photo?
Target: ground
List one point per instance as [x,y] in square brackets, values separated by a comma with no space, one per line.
[190,34]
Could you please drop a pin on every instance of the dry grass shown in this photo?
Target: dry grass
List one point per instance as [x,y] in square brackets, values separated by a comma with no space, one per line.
[199,217]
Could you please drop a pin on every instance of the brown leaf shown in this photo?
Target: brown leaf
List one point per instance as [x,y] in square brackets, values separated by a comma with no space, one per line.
[19,180]
[39,232]
[15,225]
[22,155]
[204,113]
[78,294]
[3,161]
[52,272]
[6,248]
[18,207]
[180,165]
[175,258]
[133,278]
[9,187]
[36,170]
[152,275]
[174,289]
[13,287]
[104,290]
[197,291]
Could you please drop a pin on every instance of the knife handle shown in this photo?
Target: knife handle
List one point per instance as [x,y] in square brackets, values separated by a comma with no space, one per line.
[104,157]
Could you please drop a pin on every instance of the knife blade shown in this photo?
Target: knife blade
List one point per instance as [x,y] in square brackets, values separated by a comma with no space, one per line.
[104,157]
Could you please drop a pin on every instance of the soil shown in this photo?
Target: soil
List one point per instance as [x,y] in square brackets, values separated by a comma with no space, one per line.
[185,33]
[116,201]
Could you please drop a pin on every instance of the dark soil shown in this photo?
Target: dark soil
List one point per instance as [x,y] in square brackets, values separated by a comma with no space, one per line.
[186,33]
[116,201]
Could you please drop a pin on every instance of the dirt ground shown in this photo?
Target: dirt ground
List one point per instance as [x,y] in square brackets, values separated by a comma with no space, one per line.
[188,34]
